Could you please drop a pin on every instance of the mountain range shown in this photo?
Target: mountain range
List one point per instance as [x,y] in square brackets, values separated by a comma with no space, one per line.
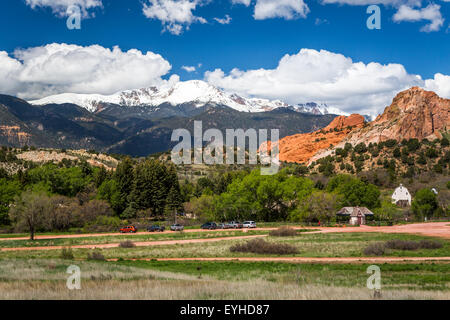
[196,93]
[140,122]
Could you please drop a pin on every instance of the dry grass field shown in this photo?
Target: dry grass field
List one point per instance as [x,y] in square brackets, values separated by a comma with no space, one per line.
[46,279]
[42,274]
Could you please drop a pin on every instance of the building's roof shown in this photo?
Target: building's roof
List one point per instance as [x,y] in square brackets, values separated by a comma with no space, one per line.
[401,193]
[353,211]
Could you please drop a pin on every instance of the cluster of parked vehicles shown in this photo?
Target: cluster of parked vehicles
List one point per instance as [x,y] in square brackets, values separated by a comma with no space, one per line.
[153,228]
[229,225]
[206,226]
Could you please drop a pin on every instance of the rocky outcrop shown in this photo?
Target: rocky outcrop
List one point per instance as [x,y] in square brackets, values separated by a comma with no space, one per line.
[414,113]
[14,134]
[301,147]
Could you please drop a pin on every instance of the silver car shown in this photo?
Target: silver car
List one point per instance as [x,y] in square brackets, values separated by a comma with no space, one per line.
[176,227]
[249,224]
[224,226]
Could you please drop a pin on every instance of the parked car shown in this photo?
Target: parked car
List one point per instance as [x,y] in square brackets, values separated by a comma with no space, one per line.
[249,224]
[156,228]
[176,227]
[209,226]
[128,229]
[224,226]
[236,225]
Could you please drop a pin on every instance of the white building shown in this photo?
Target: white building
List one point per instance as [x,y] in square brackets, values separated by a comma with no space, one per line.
[401,197]
[356,215]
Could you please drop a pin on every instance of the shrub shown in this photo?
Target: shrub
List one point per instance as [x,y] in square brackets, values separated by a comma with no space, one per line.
[431,153]
[96,255]
[66,253]
[261,246]
[283,232]
[375,249]
[402,245]
[361,148]
[430,244]
[390,143]
[127,244]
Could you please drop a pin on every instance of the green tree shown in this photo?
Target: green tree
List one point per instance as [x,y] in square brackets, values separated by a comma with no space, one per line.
[153,180]
[424,204]
[8,190]
[354,192]
[386,212]
[318,206]
[30,211]
[100,175]
[203,208]
[361,148]
[123,185]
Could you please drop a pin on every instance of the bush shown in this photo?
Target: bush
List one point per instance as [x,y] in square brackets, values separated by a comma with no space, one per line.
[96,255]
[283,232]
[429,244]
[375,249]
[261,246]
[379,249]
[66,253]
[127,244]
[402,245]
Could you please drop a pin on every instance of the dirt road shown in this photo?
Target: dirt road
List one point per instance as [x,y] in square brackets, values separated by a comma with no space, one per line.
[138,244]
[88,235]
[432,229]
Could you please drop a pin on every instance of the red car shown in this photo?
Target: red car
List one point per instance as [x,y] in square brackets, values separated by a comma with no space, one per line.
[128,229]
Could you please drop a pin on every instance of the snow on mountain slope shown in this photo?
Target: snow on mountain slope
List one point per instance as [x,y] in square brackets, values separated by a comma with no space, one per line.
[196,92]
[318,109]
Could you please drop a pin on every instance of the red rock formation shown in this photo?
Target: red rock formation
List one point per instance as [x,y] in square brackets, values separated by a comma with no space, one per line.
[414,113]
[15,135]
[301,147]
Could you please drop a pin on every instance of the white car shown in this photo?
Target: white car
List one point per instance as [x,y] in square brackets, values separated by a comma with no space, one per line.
[249,224]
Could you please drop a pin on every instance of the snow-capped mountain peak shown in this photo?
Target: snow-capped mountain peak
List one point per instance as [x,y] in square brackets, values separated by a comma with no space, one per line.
[195,92]
[318,109]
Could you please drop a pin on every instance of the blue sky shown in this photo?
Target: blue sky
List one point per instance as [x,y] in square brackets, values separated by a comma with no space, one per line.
[246,43]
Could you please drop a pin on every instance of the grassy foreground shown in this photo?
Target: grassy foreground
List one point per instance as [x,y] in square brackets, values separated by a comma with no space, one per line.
[309,245]
[46,279]
[43,274]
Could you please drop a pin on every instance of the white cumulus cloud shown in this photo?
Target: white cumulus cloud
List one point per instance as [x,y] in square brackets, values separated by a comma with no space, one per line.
[225,20]
[189,68]
[59,7]
[323,76]
[175,15]
[57,68]
[407,10]
[430,13]
[439,84]
[287,9]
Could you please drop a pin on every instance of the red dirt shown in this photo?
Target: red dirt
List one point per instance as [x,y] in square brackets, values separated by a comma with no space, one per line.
[138,244]
[432,229]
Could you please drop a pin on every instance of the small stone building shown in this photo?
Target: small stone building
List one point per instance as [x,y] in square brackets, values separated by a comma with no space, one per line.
[401,197]
[356,215]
